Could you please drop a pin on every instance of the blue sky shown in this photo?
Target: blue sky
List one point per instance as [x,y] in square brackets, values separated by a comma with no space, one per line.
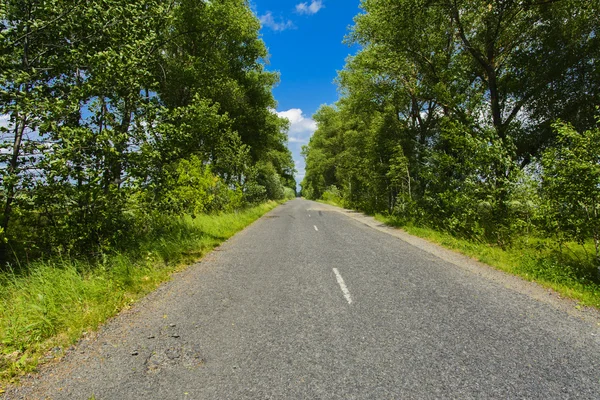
[304,38]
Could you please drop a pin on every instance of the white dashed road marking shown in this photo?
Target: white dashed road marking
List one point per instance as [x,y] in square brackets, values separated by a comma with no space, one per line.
[342,285]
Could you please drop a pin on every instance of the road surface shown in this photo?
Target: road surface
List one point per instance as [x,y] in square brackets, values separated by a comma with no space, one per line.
[308,303]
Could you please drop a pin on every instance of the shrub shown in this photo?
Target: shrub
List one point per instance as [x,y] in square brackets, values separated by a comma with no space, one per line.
[289,193]
[191,187]
[333,194]
[571,185]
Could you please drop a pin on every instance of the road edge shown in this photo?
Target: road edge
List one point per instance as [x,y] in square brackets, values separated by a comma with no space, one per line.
[516,283]
[29,379]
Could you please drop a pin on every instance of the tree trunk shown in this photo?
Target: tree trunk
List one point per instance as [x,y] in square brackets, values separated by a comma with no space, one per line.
[495,102]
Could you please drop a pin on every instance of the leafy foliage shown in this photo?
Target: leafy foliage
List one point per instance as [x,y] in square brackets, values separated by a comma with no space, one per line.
[117,110]
[571,185]
[447,119]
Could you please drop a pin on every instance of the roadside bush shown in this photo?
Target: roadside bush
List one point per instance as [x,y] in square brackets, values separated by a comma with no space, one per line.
[190,187]
[571,186]
[289,193]
[254,193]
[266,176]
[226,198]
[333,195]
[405,208]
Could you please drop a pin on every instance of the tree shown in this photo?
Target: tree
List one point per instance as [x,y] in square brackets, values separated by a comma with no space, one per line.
[34,58]
[214,52]
[107,102]
[571,184]
[321,153]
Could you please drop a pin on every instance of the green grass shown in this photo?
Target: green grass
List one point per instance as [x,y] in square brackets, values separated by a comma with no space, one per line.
[568,270]
[54,303]
[330,202]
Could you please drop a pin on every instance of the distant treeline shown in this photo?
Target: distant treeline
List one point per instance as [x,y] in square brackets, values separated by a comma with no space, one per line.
[474,117]
[114,111]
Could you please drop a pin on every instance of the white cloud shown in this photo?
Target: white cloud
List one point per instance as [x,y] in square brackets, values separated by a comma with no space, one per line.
[301,128]
[4,120]
[309,9]
[4,123]
[277,24]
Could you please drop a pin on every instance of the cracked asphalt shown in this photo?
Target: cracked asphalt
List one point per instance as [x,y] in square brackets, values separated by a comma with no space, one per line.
[266,317]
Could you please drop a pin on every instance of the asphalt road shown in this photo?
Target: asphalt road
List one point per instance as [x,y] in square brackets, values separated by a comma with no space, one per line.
[308,303]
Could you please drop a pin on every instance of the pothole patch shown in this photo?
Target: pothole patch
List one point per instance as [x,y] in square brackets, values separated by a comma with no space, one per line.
[174,357]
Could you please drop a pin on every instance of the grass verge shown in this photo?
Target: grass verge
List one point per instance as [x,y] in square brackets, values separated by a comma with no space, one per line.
[54,303]
[568,269]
